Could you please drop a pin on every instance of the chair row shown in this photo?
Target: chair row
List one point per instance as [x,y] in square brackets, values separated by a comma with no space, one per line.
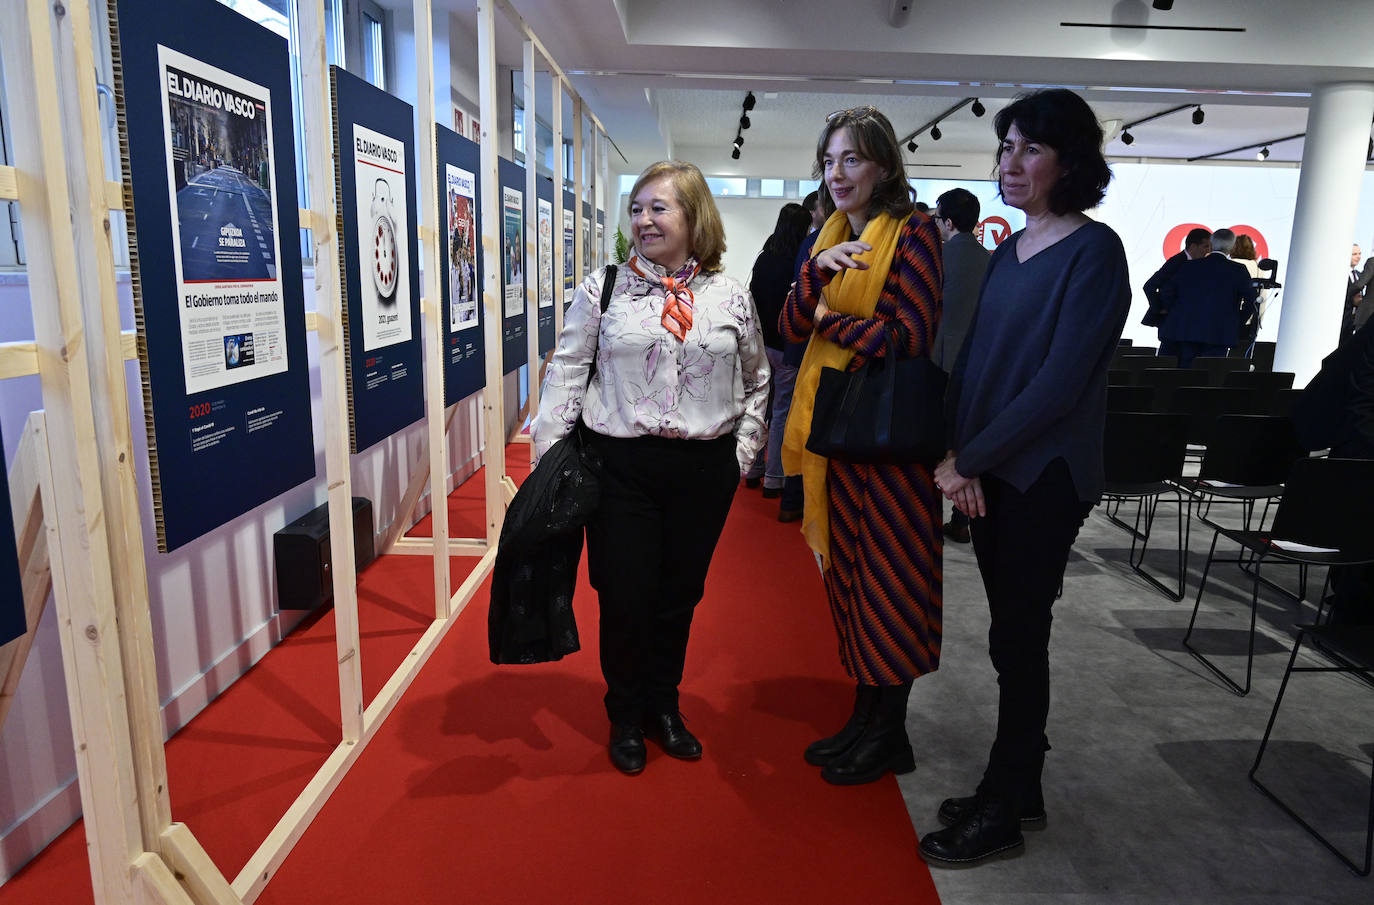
[1202,404]
[1166,375]
[1261,356]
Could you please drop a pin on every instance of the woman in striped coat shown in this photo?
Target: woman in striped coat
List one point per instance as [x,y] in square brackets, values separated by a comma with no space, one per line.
[875,528]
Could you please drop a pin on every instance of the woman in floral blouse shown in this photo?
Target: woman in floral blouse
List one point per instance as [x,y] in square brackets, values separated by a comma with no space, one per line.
[676,412]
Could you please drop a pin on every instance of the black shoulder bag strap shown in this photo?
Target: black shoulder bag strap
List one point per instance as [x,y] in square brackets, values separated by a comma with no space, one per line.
[607,287]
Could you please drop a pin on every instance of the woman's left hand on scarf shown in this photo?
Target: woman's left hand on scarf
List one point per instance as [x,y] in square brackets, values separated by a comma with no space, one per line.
[841,257]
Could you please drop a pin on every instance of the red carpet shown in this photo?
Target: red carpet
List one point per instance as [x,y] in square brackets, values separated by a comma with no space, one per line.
[492,784]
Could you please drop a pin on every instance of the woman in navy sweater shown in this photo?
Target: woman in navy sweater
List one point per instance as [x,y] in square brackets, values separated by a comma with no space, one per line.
[1028,403]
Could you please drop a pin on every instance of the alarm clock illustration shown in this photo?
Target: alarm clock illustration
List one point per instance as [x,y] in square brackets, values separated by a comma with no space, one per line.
[385,263]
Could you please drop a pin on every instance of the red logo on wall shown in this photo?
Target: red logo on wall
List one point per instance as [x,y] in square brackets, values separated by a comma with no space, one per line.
[1000,230]
[1173,240]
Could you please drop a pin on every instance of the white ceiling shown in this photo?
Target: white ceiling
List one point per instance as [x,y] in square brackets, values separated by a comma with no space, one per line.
[667,77]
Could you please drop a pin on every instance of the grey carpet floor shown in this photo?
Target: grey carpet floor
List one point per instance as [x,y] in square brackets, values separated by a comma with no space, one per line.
[1146,788]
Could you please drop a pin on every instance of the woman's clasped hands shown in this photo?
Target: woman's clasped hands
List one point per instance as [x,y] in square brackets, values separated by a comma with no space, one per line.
[965,493]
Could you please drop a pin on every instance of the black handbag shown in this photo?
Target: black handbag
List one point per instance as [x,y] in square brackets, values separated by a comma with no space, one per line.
[889,411]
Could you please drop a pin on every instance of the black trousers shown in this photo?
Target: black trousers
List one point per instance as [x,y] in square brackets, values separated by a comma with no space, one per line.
[1022,546]
[663,505]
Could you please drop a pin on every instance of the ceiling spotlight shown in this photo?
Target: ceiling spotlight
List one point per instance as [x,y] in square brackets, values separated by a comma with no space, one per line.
[1127,138]
[1263,153]
[911,146]
[935,132]
[749,102]
[739,141]
[734,155]
[1165,5]
[1198,116]
[978,108]
[744,121]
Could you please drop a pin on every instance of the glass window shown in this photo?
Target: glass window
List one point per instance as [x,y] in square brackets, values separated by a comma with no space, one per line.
[374,45]
[772,188]
[728,186]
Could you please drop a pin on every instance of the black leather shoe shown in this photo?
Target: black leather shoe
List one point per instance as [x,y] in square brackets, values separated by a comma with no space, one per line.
[676,740]
[627,748]
[772,493]
[789,515]
[753,483]
[985,831]
[957,533]
[823,751]
[952,810]
[870,757]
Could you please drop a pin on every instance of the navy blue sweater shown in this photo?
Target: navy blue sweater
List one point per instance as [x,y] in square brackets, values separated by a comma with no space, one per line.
[1030,385]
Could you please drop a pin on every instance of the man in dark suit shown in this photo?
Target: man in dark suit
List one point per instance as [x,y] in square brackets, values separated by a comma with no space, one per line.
[1359,299]
[1158,292]
[965,262]
[1213,297]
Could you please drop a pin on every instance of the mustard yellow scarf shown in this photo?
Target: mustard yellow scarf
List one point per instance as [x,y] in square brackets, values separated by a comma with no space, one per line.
[850,292]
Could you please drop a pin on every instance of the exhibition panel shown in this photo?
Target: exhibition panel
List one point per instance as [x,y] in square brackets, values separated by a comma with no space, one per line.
[514,320]
[461,264]
[545,221]
[207,144]
[380,265]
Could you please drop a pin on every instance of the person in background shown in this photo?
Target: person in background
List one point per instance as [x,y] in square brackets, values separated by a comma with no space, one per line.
[1159,291]
[769,283]
[791,505]
[1357,294]
[1213,297]
[874,528]
[675,412]
[1244,253]
[965,262]
[1028,406]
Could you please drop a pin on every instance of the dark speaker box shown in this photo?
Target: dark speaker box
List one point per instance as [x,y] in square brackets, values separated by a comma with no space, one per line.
[304,577]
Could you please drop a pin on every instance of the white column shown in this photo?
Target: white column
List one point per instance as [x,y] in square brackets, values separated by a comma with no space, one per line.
[1333,163]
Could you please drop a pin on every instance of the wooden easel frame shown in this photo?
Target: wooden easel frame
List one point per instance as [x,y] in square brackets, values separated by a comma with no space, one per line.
[91,517]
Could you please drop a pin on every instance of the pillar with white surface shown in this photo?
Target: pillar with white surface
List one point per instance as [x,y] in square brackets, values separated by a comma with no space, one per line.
[1323,225]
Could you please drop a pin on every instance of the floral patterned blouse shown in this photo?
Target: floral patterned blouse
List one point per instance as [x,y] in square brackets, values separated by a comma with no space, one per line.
[647,382]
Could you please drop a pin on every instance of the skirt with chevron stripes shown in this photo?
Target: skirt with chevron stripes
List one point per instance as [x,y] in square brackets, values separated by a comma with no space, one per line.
[884,581]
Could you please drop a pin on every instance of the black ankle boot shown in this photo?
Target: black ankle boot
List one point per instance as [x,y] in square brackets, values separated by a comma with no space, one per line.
[882,745]
[822,752]
[989,828]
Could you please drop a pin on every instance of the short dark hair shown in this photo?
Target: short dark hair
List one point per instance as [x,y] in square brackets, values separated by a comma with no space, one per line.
[1196,237]
[810,201]
[923,207]
[960,207]
[1059,118]
[875,139]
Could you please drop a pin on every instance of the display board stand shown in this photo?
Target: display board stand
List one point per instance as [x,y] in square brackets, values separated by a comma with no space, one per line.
[90,523]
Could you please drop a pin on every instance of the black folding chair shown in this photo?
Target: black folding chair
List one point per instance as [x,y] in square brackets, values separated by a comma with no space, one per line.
[1129,398]
[1351,650]
[1204,405]
[1247,460]
[1281,402]
[1325,507]
[1166,380]
[1120,377]
[1217,368]
[1262,356]
[1137,364]
[1267,380]
[1143,459]
[1135,350]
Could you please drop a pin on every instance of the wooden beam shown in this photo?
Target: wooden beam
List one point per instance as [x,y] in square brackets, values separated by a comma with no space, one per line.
[434,317]
[494,450]
[73,515]
[99,295]
[419,477]
[560,176]
[457,546]
[9,184]
[531,246]
[318,124]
